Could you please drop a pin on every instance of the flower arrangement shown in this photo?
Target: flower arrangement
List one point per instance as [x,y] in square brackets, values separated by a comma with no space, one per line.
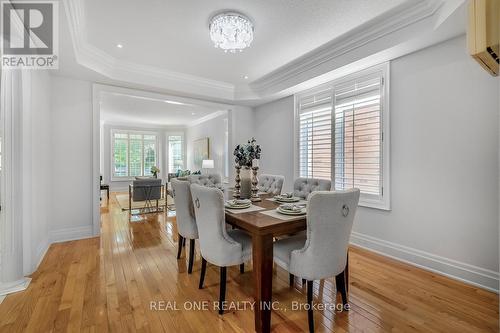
[245,154]
[155,171]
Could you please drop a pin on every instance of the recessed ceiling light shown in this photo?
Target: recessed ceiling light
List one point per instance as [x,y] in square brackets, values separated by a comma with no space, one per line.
[193,113]
[119,46]
[245,77]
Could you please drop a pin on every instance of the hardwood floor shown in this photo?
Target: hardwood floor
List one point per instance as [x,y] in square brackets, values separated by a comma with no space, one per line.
[109,284]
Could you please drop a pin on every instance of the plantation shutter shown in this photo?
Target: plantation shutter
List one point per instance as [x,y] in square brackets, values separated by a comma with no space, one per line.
[120,158]
[315,134]
[134,154]
[149,146]
[175,153]
[358,136]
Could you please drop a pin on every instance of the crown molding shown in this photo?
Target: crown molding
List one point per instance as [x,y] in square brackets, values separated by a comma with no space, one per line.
[100,61]
[387,23]
[402,23]
[139,93]
[207,118]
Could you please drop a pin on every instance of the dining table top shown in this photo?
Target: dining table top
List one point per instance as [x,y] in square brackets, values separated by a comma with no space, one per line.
[256,222]
[263,228]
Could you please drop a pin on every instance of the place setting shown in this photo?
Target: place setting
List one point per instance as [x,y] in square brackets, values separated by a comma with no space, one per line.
[287,198]
[292,209]
[240,206]
[288,211]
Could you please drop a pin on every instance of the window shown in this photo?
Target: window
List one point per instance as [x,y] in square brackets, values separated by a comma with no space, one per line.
[341,134]
[175,153]
[133,153]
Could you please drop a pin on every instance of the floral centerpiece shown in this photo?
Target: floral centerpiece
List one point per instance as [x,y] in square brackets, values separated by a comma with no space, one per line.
[245,154]
[155,171]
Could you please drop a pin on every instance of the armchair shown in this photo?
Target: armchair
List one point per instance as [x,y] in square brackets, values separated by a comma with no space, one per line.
[146,190]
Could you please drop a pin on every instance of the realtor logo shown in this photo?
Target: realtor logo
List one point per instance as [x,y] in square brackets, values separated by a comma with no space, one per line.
[29,34]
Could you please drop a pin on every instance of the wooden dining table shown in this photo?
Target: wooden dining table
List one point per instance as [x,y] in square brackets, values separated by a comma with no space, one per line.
[263,229]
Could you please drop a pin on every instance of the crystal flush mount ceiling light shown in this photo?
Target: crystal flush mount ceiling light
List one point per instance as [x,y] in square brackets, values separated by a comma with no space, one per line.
[231,31]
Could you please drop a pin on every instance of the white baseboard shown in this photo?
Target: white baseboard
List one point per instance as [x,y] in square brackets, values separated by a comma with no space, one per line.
[477,276]
[118,188]
[68,234]
[14,287]
[42,249]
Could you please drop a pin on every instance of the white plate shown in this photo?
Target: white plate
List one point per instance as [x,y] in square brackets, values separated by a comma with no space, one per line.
[282,199]
[289,212]
[238,202]
[238,206]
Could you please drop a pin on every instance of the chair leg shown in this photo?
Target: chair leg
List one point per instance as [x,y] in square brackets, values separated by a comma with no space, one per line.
[341,286]
[310,315]
[291,278]
[179,249]
[202,274]
[191,256]
[242,268]
[346,272]
[222,294]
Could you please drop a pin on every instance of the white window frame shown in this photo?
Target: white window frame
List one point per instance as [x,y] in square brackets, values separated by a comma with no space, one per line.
[384,203]
[112,143]
[184,158]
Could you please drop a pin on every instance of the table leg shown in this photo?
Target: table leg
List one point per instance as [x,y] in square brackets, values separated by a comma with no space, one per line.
[263,285]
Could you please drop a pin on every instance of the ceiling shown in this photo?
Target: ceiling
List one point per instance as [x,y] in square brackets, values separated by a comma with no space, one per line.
[173,34]
[122,109]
[298,44]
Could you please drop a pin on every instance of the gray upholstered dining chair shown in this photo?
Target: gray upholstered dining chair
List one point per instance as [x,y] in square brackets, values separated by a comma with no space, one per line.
[218,246]
[186,221]
[322,252]
[270,183]
[302,187]
[209,180]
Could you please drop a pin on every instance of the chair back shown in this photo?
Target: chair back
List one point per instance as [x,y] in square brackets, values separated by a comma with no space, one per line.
[330,216]
[215,244]
[303,187]
[184,210]
[209,180]
[270,183]
[146,189]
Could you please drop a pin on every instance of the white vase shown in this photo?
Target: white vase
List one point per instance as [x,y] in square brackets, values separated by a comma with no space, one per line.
[246,183]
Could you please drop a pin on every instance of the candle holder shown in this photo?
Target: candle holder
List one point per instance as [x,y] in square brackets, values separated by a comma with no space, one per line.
[255,181]
[237,185]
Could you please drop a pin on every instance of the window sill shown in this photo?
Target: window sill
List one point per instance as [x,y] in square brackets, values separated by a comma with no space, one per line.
[380,205]
[122,179]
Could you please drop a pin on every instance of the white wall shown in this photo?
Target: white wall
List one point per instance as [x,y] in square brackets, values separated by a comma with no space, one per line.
[241,126]
[41,166]
[274,124]
[71,140]
[241,129]
[215,130]
[444,160]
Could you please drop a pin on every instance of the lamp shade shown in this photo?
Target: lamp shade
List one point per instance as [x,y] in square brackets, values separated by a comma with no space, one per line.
[207,164]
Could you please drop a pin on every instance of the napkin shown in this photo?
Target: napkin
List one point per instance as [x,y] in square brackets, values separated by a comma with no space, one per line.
[292,207]
[235,202]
